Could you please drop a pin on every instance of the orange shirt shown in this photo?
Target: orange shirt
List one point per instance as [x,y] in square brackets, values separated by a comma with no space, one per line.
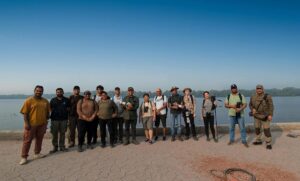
[38,110]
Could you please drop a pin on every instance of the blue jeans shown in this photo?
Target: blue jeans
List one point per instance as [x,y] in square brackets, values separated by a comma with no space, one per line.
[175,124]
[241,121]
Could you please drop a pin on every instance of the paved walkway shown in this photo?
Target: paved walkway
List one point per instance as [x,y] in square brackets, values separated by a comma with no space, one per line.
[162,161]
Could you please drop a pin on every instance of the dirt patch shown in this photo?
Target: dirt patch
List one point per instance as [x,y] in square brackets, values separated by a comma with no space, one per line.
[260,171]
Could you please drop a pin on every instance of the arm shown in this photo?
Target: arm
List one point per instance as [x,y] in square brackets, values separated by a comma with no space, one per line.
[95,111]
[154,111]
[115,109]
[270,108]
[79,111]
[26,122]
[195,106]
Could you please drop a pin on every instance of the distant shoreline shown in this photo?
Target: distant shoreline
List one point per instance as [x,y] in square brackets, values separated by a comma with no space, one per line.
[285,92]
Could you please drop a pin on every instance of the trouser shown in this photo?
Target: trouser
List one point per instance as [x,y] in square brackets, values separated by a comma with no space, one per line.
[95,130]
[189,121]
[241,122]
[58,130]
[73,125]
[109,123]
[118,128]
[37,133]
[258,124]
[84,127]
[130,123]
[175,124]
[209,123]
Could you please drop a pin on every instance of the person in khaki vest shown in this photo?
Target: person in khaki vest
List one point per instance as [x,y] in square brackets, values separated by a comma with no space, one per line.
[262,108]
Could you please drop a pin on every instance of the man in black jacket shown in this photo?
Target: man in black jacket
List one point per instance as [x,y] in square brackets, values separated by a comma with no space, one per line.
[60,106]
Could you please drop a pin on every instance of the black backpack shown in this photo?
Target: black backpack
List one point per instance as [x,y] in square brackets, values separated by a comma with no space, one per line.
[213,107]
[240,95]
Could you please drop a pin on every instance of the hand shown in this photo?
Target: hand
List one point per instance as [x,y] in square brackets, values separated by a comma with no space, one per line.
[114,115]
[270,118]
[254,111]
[202,118]
[232,106]
[238,110]
[194,115]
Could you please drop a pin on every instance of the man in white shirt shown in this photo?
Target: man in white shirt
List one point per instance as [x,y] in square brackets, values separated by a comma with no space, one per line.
[161,104]
[119,121]
[97,98]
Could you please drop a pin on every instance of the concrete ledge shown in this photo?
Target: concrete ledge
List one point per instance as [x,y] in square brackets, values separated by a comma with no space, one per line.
[18,135]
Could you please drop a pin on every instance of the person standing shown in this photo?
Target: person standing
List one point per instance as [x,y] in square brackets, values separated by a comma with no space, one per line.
[97,98]
[60,106]
[189,113]
[236,104]
[262,108]
[36,112]
[175,103]
[130,105]
[208,116]
[161,105]
[73,116]
[107,111]
[118,121]
[147,116]
[87,111]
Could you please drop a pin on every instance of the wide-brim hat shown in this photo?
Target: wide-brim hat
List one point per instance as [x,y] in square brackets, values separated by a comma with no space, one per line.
[174,88]
[187,89]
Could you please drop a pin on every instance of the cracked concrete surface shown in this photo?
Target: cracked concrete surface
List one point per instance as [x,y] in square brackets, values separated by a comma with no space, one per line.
[163,161]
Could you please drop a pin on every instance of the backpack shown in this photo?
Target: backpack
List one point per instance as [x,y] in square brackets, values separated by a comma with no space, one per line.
[163,98]
[240,95]
[213,107]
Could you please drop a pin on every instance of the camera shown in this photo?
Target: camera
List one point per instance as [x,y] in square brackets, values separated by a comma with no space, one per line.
[146,109]
[238,105]
[213,99]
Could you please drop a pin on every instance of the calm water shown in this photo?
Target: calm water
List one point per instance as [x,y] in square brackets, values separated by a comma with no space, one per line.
[286,110]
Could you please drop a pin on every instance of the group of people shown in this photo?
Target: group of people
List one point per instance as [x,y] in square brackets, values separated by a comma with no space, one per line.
[86,113]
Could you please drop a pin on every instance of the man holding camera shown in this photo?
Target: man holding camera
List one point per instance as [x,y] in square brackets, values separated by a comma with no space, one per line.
[236,103]
[262,108]
[189,113]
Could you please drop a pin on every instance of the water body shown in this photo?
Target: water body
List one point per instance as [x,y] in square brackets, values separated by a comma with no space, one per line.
[287,109]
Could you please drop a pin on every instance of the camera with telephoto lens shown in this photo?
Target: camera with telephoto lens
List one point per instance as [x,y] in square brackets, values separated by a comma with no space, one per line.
[238,105]
[146,109]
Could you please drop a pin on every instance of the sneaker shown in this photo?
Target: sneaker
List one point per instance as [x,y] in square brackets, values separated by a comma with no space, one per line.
[195,138]
[164,138]
[246,145]
[80,149]
[186,137]
[150,142]
[64,149]
[121,141]
[257,143]
[146,140]
[38,156]
[269,147]
[173,138]
[207,139]
[112,145]
[215,140]
[156,138]
[134,141]
[126,143]
[103,145]
[230,143]
[54,150]
[23,161]
[180,138]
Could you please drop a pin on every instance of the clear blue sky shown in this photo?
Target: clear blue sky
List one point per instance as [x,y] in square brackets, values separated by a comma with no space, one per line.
[148,44]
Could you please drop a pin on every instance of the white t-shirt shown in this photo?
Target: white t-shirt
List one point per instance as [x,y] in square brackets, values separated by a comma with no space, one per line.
[159,103]
[97,98]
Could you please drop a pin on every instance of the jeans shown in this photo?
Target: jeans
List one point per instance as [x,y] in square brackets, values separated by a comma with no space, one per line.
[175,124]
[241,121]
[118,128]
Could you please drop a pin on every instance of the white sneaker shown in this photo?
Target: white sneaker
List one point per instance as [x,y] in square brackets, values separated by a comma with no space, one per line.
[38,156]
[23,161]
